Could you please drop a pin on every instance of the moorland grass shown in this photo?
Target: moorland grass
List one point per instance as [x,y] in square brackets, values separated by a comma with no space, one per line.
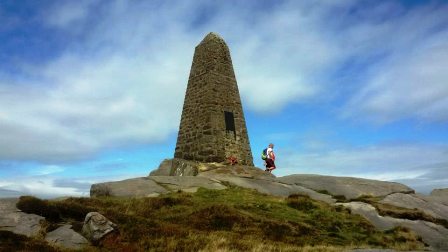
[235,219]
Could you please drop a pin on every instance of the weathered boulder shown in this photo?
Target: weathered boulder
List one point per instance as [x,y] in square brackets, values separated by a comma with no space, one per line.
[12,219]
[176,167]
[187,184]
[164,168]
[96,226]
[418,201]
[65,237]
[136,187]
[350,188]
[432,234]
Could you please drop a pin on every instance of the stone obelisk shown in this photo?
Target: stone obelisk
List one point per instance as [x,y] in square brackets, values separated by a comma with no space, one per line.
[212,127]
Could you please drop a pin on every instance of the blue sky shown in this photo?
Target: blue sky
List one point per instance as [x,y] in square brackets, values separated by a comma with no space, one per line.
[92,91]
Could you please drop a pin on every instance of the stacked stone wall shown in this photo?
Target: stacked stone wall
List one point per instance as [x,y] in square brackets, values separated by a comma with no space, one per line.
[212,89]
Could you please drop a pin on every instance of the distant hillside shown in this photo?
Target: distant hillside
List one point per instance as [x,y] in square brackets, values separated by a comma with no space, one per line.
[5,193]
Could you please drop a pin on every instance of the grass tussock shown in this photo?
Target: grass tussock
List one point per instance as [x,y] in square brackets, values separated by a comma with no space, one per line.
[15,242]
[234,219]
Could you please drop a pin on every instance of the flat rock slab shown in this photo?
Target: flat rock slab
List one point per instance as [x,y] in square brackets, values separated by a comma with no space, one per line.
[153,186]
[66,237]
[370,213]
[434,235]
[136,187]
[420,202]
[270,187]
[16,221]
[440,195]
[188,184]
[443,192]
[239,171]
[350,188]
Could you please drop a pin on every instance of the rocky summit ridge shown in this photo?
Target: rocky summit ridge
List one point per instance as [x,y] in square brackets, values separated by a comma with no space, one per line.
[184,175]
[385,204]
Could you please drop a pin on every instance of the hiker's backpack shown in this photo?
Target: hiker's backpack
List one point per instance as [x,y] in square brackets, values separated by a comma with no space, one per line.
[264,154]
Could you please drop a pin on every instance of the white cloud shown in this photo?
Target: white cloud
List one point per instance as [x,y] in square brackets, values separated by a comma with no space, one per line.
[68,13]
[51,185]
[42,187]
[49,169]
[411,80]
[121,79]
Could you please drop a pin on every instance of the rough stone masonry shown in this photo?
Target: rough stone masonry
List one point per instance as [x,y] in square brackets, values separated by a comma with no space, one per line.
[212,126]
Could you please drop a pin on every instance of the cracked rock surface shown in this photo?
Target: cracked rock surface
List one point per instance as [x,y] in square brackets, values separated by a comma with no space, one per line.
[434,235]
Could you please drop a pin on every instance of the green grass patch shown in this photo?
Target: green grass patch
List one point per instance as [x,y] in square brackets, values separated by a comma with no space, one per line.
[234,219]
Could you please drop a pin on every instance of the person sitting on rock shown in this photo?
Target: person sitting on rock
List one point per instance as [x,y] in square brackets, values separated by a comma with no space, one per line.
[270,158]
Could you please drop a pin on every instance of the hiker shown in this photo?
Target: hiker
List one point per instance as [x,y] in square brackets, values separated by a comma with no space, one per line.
[270,158]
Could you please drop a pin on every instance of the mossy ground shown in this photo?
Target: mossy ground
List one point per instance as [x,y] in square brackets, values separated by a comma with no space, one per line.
[234,219]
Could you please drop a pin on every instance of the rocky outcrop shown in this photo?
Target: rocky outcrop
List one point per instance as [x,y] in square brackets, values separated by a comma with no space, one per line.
[14,220]
[177,167]
[432,234]
[440,195]
[152,186]
[210,176]
[18,222]
[265,183]
[177,174]
[65,237]
[440,192]
[418,201]
[96,226]
[350,188]
[136,187]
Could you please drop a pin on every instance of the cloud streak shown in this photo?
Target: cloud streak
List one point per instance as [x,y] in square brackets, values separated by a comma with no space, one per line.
[121,75]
